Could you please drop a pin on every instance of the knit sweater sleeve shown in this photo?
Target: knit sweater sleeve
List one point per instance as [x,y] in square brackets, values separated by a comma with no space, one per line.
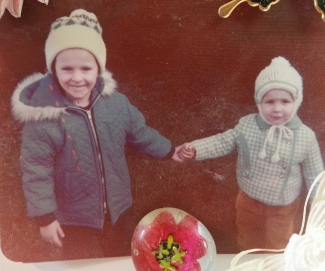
[215,146]
[37,156]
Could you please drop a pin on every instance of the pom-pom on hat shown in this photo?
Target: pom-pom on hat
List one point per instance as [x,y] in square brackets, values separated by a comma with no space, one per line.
[80,30]
[279,75]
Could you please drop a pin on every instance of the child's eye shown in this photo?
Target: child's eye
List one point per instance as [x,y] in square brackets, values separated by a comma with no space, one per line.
[86,69]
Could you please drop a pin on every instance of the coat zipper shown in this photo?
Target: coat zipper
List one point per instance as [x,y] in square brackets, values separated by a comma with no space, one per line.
[89,115]
[103,183]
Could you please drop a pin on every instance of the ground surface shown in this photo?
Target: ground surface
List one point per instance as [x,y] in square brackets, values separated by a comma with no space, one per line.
[192,75]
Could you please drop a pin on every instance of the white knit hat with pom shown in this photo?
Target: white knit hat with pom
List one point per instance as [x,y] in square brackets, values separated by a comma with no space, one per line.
[279,75]
[80,30]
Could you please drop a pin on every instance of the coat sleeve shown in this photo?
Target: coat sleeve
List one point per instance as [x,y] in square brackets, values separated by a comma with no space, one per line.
[312,165]
[216,146]
[37,160]
[144,138]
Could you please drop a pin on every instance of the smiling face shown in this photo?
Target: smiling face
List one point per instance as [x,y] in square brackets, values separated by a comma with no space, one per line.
[277,106]
[77,72]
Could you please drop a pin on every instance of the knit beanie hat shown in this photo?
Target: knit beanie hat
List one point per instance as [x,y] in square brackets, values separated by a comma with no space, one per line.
[279,75]
[80,30]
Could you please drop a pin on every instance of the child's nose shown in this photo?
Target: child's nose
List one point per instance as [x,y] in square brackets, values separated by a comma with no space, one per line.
[277,107]
[76,76]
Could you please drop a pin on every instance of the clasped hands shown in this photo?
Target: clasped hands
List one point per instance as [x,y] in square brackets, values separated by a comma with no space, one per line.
[184,152]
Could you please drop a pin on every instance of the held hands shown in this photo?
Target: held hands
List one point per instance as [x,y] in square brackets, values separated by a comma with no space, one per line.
[52,233]
[184,152]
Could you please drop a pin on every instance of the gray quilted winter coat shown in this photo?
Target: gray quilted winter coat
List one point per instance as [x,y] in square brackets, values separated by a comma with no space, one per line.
[73,160]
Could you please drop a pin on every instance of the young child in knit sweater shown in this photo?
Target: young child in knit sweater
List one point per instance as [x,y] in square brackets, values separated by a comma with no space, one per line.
[74,171]
[277,153]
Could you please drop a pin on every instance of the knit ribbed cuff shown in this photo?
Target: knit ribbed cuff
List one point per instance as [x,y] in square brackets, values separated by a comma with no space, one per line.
[170,154]
[45,220]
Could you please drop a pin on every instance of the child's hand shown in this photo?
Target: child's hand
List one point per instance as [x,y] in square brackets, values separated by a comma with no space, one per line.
[184,152]
[52,233]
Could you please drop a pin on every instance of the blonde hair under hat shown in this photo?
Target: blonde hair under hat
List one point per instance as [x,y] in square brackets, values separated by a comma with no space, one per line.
[80,30]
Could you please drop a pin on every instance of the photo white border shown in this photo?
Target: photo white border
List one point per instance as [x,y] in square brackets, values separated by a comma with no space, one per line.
[103,264]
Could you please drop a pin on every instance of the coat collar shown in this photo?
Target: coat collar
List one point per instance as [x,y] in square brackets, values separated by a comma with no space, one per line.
[294,124]
[38,97]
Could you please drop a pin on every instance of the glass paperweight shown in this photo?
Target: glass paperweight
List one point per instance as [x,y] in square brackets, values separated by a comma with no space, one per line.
[171,239]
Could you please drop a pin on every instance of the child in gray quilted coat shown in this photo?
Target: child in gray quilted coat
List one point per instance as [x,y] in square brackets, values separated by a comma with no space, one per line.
[74,172]
[276,154]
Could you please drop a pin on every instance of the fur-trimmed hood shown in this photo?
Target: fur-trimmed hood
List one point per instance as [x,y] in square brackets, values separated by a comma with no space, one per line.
[37,97]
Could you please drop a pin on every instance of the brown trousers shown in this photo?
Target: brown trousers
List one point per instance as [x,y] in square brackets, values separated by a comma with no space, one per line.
[263,226]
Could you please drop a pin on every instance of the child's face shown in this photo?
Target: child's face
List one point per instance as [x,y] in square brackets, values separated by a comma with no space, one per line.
[277,106]
[77,72]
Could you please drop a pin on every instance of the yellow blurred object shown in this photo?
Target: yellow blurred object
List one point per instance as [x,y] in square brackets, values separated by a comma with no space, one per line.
[226,9]
[318,8]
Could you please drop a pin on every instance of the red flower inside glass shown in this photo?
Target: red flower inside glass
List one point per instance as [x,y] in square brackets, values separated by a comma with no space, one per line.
[171,239]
